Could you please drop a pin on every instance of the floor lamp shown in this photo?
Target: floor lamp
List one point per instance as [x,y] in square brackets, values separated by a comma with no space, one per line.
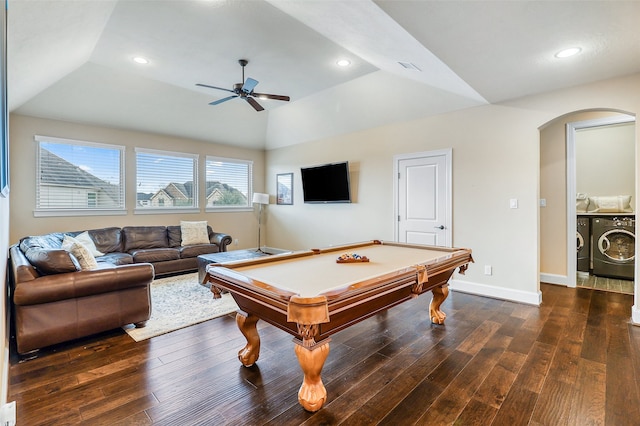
[261,199]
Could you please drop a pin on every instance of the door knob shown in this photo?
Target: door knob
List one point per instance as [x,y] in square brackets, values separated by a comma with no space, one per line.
[439,227]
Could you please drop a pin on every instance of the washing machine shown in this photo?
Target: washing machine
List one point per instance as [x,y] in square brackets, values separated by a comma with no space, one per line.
[613,247]
[583,237]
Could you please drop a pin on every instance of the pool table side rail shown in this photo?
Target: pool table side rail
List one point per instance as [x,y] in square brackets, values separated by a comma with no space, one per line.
[264,259]
[384,243]
[270,304]
[453,259]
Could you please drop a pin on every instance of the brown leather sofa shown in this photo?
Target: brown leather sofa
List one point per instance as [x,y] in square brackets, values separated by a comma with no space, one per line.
[54,300]
[159,245]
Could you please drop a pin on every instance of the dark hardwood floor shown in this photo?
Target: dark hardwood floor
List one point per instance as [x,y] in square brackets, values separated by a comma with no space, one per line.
[575,360]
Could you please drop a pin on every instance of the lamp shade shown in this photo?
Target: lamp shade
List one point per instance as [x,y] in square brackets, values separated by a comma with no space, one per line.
[259,198]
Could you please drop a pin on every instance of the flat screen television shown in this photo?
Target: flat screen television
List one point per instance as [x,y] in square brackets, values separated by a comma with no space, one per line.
[328,183]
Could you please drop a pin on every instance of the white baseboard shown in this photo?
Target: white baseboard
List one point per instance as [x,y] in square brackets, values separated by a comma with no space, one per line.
[530,298]
[554,279]
[635,315]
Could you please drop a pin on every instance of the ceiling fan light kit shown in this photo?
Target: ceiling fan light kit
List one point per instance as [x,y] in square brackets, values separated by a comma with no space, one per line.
[245,91]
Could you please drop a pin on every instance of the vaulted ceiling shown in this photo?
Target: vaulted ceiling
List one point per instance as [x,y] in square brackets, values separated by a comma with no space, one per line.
[72,60]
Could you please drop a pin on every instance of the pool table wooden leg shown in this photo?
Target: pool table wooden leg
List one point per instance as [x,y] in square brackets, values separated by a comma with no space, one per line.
[217,293]
[312,394]
[439,296]
[247,325]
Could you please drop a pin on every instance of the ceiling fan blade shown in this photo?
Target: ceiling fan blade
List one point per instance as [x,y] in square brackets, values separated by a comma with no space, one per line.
[219,101]
[268,96]
[254,104]
[249,85]
[214,87]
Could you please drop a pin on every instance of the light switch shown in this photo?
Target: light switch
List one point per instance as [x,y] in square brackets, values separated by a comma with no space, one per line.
[513,203]
[543,202]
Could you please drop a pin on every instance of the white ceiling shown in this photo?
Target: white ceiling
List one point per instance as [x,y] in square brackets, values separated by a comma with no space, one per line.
[72,60]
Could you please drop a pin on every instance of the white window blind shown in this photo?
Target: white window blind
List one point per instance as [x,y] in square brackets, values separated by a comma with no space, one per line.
[228,183]
[78,176]
[166,180]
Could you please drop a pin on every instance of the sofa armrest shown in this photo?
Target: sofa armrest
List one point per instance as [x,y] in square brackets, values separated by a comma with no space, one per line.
[52,288]
[19,267]
[222,240]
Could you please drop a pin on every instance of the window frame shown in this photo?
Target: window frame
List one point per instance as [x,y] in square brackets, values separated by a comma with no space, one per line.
[228,208]
[169,210]
[78,211]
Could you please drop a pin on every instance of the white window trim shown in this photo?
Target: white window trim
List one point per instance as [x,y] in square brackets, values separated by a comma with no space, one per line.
[167,210]
[229,209]
[40,212]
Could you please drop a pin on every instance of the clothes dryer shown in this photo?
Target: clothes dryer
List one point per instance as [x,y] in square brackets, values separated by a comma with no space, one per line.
[614,247]
[583,237]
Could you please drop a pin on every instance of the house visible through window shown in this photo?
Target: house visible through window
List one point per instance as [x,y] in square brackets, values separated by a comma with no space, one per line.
[166,180]
[228,183]
[92,199]
[78,176]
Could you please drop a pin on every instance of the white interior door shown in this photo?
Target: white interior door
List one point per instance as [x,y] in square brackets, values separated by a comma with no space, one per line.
[423,198]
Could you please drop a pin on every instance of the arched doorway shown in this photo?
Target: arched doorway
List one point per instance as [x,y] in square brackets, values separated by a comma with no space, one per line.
[558,193]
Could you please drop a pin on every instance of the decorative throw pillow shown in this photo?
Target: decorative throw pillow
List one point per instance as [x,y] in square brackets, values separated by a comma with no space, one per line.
[611,204]
[49,262]
[84,256]
[194,233]
[86,240]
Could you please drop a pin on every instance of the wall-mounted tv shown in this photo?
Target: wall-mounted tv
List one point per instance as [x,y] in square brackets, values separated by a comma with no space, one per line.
[328,183]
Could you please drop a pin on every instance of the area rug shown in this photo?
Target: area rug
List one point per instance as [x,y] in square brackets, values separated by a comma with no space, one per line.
[178,302]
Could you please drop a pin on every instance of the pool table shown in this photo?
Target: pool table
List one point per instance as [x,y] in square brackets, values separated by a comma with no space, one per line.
[310,295]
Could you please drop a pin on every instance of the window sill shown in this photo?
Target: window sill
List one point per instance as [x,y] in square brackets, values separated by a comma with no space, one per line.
[62,212]
[228,209]
[166,211]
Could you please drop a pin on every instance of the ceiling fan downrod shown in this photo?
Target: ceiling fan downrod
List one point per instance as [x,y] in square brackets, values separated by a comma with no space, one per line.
[243,63]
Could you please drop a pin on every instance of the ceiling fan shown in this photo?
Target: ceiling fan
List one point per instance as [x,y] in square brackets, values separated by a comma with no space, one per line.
[245,91]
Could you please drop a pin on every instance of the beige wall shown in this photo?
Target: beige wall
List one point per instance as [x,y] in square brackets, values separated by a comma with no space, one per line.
[242,226]
[496,157]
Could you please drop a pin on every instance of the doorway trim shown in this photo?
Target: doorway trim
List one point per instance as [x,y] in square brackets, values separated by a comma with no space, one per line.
[448,154]
[572,222]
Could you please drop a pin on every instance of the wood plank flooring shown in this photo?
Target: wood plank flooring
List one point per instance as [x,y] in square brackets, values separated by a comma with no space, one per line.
[575,360]
[604,283]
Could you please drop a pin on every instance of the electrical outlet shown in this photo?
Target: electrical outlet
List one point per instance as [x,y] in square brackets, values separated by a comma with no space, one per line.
[488,270]
[236,242]
[8,414]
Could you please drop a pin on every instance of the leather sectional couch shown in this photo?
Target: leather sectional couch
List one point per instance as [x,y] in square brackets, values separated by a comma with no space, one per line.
[57,298]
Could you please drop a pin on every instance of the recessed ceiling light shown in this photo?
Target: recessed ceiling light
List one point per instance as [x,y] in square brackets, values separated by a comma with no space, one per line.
[140,60]
[343,63]
[565,53]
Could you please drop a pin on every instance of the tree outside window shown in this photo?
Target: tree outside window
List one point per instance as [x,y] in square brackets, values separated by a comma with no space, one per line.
[228,183]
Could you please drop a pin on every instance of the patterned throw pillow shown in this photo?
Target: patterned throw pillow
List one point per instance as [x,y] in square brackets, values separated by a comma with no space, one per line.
[194,233]
[84,256]
[86,240]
